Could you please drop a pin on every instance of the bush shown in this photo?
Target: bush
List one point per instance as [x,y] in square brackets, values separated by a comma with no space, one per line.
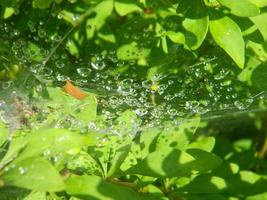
[119,99]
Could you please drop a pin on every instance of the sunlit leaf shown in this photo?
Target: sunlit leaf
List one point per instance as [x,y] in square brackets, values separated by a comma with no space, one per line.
[259,3]
[124,7]
[96,188]
[204,143]
[132,51]
[171,162]
[196,25]
[228,36]
[205,184]
[46,142]
[259,21]
[36,195]
[35,174]
[178,137]
[102,11]
[242,8]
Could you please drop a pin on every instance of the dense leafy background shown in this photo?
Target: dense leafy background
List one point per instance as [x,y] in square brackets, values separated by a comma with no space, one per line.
[175,99]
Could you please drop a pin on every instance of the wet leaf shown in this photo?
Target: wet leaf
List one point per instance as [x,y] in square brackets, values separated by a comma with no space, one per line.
[34,174]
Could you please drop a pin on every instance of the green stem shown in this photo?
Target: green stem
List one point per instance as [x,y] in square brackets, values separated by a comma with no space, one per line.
[56,47]
[78,23]
[153,99]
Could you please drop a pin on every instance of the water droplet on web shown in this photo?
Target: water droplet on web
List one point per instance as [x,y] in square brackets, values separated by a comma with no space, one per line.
[243,104]
[22,170]
[41,33]
[98,65]
[39,88]
[15,32]
[75,18]
[60,77]
[6,84]
[84,72]
[59,16]
[60,64]
[222,74]
[30,23]
[46,73]
[47,152]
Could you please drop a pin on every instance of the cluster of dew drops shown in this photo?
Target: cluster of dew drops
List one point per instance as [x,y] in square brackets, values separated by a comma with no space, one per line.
[196,90]
[205,88]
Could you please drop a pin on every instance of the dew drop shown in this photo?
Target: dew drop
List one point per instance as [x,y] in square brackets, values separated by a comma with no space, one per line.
[84,72]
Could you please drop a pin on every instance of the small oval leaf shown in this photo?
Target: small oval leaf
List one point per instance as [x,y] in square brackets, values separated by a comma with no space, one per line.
[241,8]
[228,36]
[196,24]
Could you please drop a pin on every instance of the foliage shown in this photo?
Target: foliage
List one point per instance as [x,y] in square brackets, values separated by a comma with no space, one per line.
[54,146]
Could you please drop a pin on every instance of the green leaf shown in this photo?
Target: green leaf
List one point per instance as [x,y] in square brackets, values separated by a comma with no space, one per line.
[127,123]
[132,51]
[176,37]
[49,142]
[68,17]
[118,158]
[112,153]
[36,195]
[259,51]
[9,11]
[3,133]
[127,126]
[259,76]
[42,4]
[196,25]
[204,143]
[124,7]
[58,99]
[259,3]
[247,72]
[241,8]
[171,162]
[178,137]
[226,169]
[148,141]
[102,10]
[13,193]
[206,184]
[141,148]
[34,174]
[228,36]
[86,109]
[93,187]
[208,197]
[35,51]
[246,183]
[259,21]
[262,196]
[16,146]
